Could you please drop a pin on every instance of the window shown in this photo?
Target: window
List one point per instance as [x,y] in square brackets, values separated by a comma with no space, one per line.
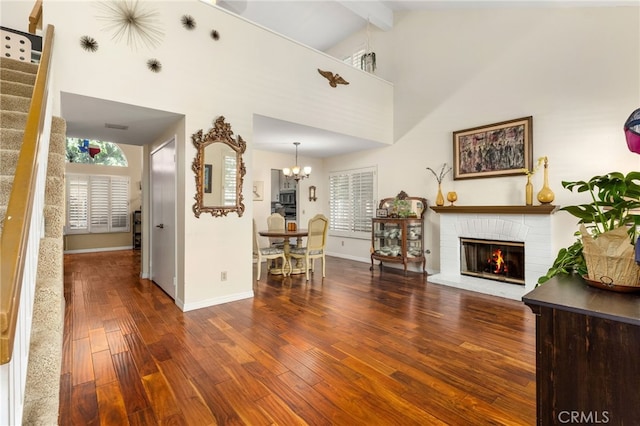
[95,152]
[355,59]
[352,202]
[97,204]
[229,180]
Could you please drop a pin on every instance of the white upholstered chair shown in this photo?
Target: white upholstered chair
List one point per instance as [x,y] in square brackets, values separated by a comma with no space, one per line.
[267,253]
[276,222]
[315,247]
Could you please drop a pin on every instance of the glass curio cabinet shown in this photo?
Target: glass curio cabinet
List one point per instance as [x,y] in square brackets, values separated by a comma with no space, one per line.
[397,234]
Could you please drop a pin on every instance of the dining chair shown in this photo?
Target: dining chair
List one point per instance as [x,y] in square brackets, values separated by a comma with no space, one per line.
[267,253]
[276,222]
[315,247]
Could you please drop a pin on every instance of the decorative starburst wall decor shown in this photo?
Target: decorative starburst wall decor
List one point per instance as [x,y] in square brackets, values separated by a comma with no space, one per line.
[188,22]
[88,43]
[132,21]
[154,65]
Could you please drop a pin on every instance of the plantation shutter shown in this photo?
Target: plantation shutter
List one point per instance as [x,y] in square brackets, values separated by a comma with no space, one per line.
[364,203]
[77,203]
[352,202]
[119,204]
[97,204]
[229,180]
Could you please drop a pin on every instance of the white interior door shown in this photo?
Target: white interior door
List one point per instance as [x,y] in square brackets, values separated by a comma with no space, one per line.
[163,214]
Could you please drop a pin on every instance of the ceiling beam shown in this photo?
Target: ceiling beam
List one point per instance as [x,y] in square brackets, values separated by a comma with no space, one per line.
[373,11]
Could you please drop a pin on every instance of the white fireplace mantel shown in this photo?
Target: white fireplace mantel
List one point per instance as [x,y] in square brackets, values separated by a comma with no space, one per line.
[528,224]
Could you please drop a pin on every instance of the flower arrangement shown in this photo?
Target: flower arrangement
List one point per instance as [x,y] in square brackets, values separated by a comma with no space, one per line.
[533,171]
[402,207]
[443,172]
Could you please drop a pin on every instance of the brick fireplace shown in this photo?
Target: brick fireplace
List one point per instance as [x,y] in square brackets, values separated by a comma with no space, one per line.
[529,225]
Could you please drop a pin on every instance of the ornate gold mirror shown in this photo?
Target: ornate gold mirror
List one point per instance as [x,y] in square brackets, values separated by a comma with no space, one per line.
[219,170]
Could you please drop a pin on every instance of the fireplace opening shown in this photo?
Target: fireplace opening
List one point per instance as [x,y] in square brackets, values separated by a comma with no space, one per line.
[494,260]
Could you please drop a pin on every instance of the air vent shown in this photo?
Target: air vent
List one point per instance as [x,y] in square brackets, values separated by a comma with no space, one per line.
[115,126]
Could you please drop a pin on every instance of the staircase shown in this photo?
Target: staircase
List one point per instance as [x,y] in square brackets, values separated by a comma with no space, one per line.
[41,398]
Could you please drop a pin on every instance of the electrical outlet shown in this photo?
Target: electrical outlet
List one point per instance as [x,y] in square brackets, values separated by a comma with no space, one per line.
[223,276]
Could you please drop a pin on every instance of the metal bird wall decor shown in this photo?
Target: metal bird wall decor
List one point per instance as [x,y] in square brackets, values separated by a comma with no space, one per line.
[334,79]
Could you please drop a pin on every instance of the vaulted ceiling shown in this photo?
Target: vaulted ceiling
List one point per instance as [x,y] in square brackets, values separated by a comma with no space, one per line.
[318,24]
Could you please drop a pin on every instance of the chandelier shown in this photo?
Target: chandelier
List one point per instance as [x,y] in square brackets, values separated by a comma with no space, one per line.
[296,172]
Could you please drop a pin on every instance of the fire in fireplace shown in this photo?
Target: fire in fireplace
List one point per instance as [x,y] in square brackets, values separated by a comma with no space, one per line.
[494,260]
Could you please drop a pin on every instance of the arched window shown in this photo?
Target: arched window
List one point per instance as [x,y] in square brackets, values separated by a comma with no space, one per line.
[87,151]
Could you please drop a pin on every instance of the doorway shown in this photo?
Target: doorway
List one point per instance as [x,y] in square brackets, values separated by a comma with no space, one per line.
[163,217]
[284,197]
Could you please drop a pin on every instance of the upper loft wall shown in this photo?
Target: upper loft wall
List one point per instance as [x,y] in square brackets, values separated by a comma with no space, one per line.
[248,67]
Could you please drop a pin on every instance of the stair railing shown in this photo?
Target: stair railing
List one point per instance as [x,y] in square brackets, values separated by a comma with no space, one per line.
[16,260]
[20,244]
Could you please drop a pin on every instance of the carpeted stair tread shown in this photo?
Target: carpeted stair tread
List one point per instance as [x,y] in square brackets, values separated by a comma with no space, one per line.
[17,89]
[8,74]
[59,127]
[55,168]
[13,120]
[11,138]
[6,182]
[50,259]
[54,193]
[9,160]
[18,65]
[14,103]
[54,219]
[42,411]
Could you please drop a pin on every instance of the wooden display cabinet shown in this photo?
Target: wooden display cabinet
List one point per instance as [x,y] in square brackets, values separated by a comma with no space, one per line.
[399,237]
[587,368]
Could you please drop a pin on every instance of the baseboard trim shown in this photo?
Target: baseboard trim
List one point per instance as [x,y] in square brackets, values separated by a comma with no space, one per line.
[99,249]
[212,302]
[348,257]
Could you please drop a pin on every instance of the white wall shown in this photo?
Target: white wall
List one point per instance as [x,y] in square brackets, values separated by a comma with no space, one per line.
[248,71]
[575,70]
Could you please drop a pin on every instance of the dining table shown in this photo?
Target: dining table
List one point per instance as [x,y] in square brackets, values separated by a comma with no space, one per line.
[298,234]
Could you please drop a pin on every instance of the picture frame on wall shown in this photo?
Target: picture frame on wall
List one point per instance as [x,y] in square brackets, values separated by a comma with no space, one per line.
[258,190]
[493,150]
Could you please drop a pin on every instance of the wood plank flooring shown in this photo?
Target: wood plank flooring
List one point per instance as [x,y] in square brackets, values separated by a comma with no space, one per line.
[353,349]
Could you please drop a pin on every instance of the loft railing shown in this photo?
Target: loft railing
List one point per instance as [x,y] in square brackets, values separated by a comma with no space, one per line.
[35,17]
[15,243]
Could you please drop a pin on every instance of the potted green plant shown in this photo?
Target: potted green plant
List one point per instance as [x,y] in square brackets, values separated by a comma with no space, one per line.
[614,196]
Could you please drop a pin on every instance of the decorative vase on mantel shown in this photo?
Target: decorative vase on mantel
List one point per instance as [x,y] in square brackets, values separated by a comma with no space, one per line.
[546,195]
[440,197]
[528,192]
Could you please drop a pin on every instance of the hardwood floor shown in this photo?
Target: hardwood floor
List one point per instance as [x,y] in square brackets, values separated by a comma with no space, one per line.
[381,349]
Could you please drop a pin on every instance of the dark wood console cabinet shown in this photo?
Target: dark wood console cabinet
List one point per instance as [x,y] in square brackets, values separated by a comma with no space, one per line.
[587,353]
